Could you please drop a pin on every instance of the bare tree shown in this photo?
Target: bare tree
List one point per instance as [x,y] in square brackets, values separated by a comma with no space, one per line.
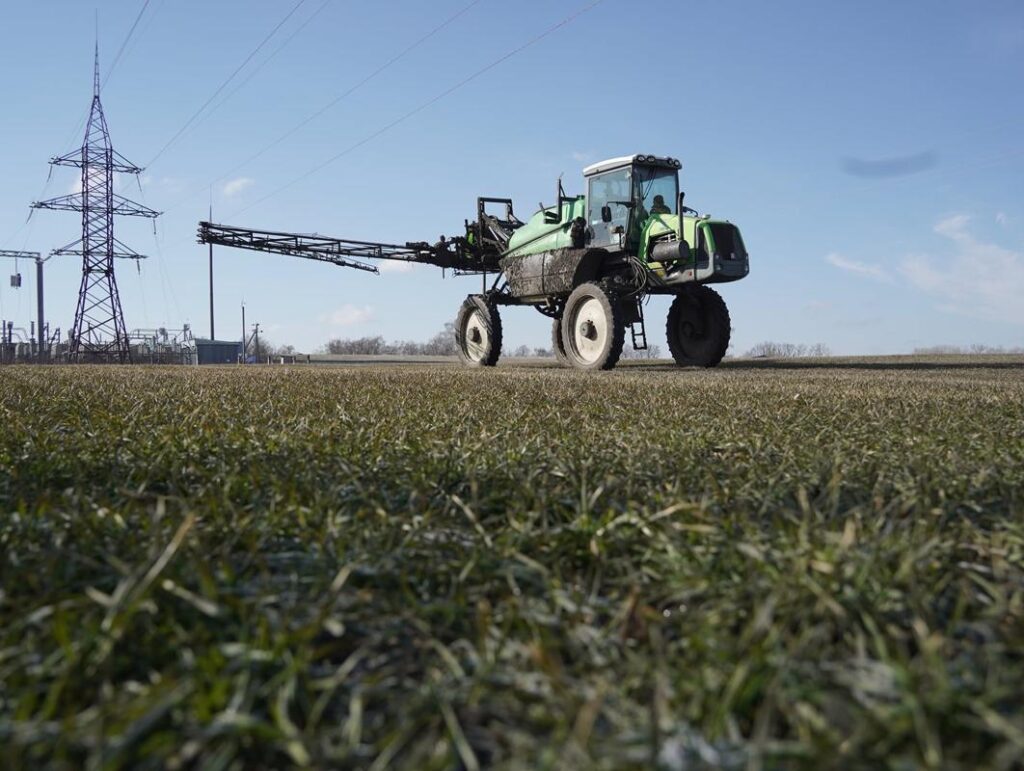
[650,352]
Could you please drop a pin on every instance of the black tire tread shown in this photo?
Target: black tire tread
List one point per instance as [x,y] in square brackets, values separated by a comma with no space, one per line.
[475,302]
[716,308]
[558,343]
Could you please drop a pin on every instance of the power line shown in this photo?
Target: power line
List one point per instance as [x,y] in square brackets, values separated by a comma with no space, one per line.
[120,51]
[263,63]
[313,116]
[362,82]
[430,102]
[144,28]
[80,126]
[224,85]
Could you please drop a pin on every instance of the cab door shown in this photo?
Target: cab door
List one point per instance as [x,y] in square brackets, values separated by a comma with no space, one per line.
[612,189]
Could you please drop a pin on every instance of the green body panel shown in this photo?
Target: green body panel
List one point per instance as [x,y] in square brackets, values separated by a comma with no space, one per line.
[661,224]
[540,270]
[538,236]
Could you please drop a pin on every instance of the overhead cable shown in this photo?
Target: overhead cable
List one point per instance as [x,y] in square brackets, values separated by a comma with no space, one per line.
[313,116]
[225,83]
[429,103]
[131,31]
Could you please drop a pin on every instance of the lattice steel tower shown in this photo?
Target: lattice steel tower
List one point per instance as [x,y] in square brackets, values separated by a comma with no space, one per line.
[98,333]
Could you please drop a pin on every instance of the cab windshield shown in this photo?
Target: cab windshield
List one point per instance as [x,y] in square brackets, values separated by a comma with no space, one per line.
[656,191]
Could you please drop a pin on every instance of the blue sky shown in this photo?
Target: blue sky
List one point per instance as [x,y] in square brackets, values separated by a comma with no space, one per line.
[870,152]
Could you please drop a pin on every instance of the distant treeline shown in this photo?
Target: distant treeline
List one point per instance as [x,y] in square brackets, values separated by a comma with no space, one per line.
[769,350]
[966,349]
[441,344]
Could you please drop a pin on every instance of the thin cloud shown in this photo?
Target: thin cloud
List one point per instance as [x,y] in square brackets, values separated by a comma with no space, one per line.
[980,280]
[162,184]
[235,186]
[883,168]
[857,268]
[348,315]
[395,266]
[953,227]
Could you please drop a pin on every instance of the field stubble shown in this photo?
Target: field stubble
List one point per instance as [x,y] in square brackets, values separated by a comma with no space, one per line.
[760,565]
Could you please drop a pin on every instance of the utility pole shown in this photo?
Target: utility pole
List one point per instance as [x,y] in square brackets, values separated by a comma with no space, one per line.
[256,338]
[39,292]
[212,335]
[245,341]
[42,352]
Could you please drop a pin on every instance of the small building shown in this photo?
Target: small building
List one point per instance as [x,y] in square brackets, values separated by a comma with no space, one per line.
[218,351]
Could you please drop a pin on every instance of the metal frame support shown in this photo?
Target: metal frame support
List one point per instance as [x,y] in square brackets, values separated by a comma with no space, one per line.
[39,260]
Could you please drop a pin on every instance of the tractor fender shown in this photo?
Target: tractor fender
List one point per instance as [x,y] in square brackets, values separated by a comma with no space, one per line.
[590,267]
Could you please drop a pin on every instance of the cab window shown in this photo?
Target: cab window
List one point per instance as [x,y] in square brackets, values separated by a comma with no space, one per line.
[657,191]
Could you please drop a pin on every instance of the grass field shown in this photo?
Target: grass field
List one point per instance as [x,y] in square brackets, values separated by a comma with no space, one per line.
[759,566]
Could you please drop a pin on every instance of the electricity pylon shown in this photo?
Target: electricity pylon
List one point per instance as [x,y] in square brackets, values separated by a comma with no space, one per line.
[99,333]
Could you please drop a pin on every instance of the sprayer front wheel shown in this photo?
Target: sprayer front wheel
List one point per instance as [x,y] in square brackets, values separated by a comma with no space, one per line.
[592,328]
[478,332]
[698,327]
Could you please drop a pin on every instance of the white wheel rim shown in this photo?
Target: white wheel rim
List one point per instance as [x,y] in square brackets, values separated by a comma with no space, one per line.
[589,330]
[476,339]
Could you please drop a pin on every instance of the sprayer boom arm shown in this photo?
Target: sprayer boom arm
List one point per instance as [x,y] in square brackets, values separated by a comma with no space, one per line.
[313,246]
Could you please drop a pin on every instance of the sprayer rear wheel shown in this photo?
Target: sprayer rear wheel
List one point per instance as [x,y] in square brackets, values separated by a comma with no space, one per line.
[698,327]
[558,343]
[478,332]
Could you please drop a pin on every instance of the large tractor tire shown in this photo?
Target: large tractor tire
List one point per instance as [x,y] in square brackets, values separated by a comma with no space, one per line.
[592,328]
[698,327]
[478,332]
[558,343]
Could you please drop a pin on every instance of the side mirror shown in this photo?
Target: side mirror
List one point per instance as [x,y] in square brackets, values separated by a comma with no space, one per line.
[552,218]
[606,214]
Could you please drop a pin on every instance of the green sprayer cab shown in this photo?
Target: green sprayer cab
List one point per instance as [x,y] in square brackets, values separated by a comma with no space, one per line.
[588,262]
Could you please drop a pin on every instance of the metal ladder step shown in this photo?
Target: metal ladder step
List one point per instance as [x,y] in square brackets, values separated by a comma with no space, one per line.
[638,330]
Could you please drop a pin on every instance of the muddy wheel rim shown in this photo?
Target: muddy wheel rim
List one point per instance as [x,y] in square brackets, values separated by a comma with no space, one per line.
[590,330]
[476,339]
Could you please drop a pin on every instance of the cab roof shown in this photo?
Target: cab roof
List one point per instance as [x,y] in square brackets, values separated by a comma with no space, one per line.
[629,160]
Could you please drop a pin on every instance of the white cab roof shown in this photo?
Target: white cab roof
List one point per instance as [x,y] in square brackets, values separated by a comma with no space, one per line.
[626,160]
